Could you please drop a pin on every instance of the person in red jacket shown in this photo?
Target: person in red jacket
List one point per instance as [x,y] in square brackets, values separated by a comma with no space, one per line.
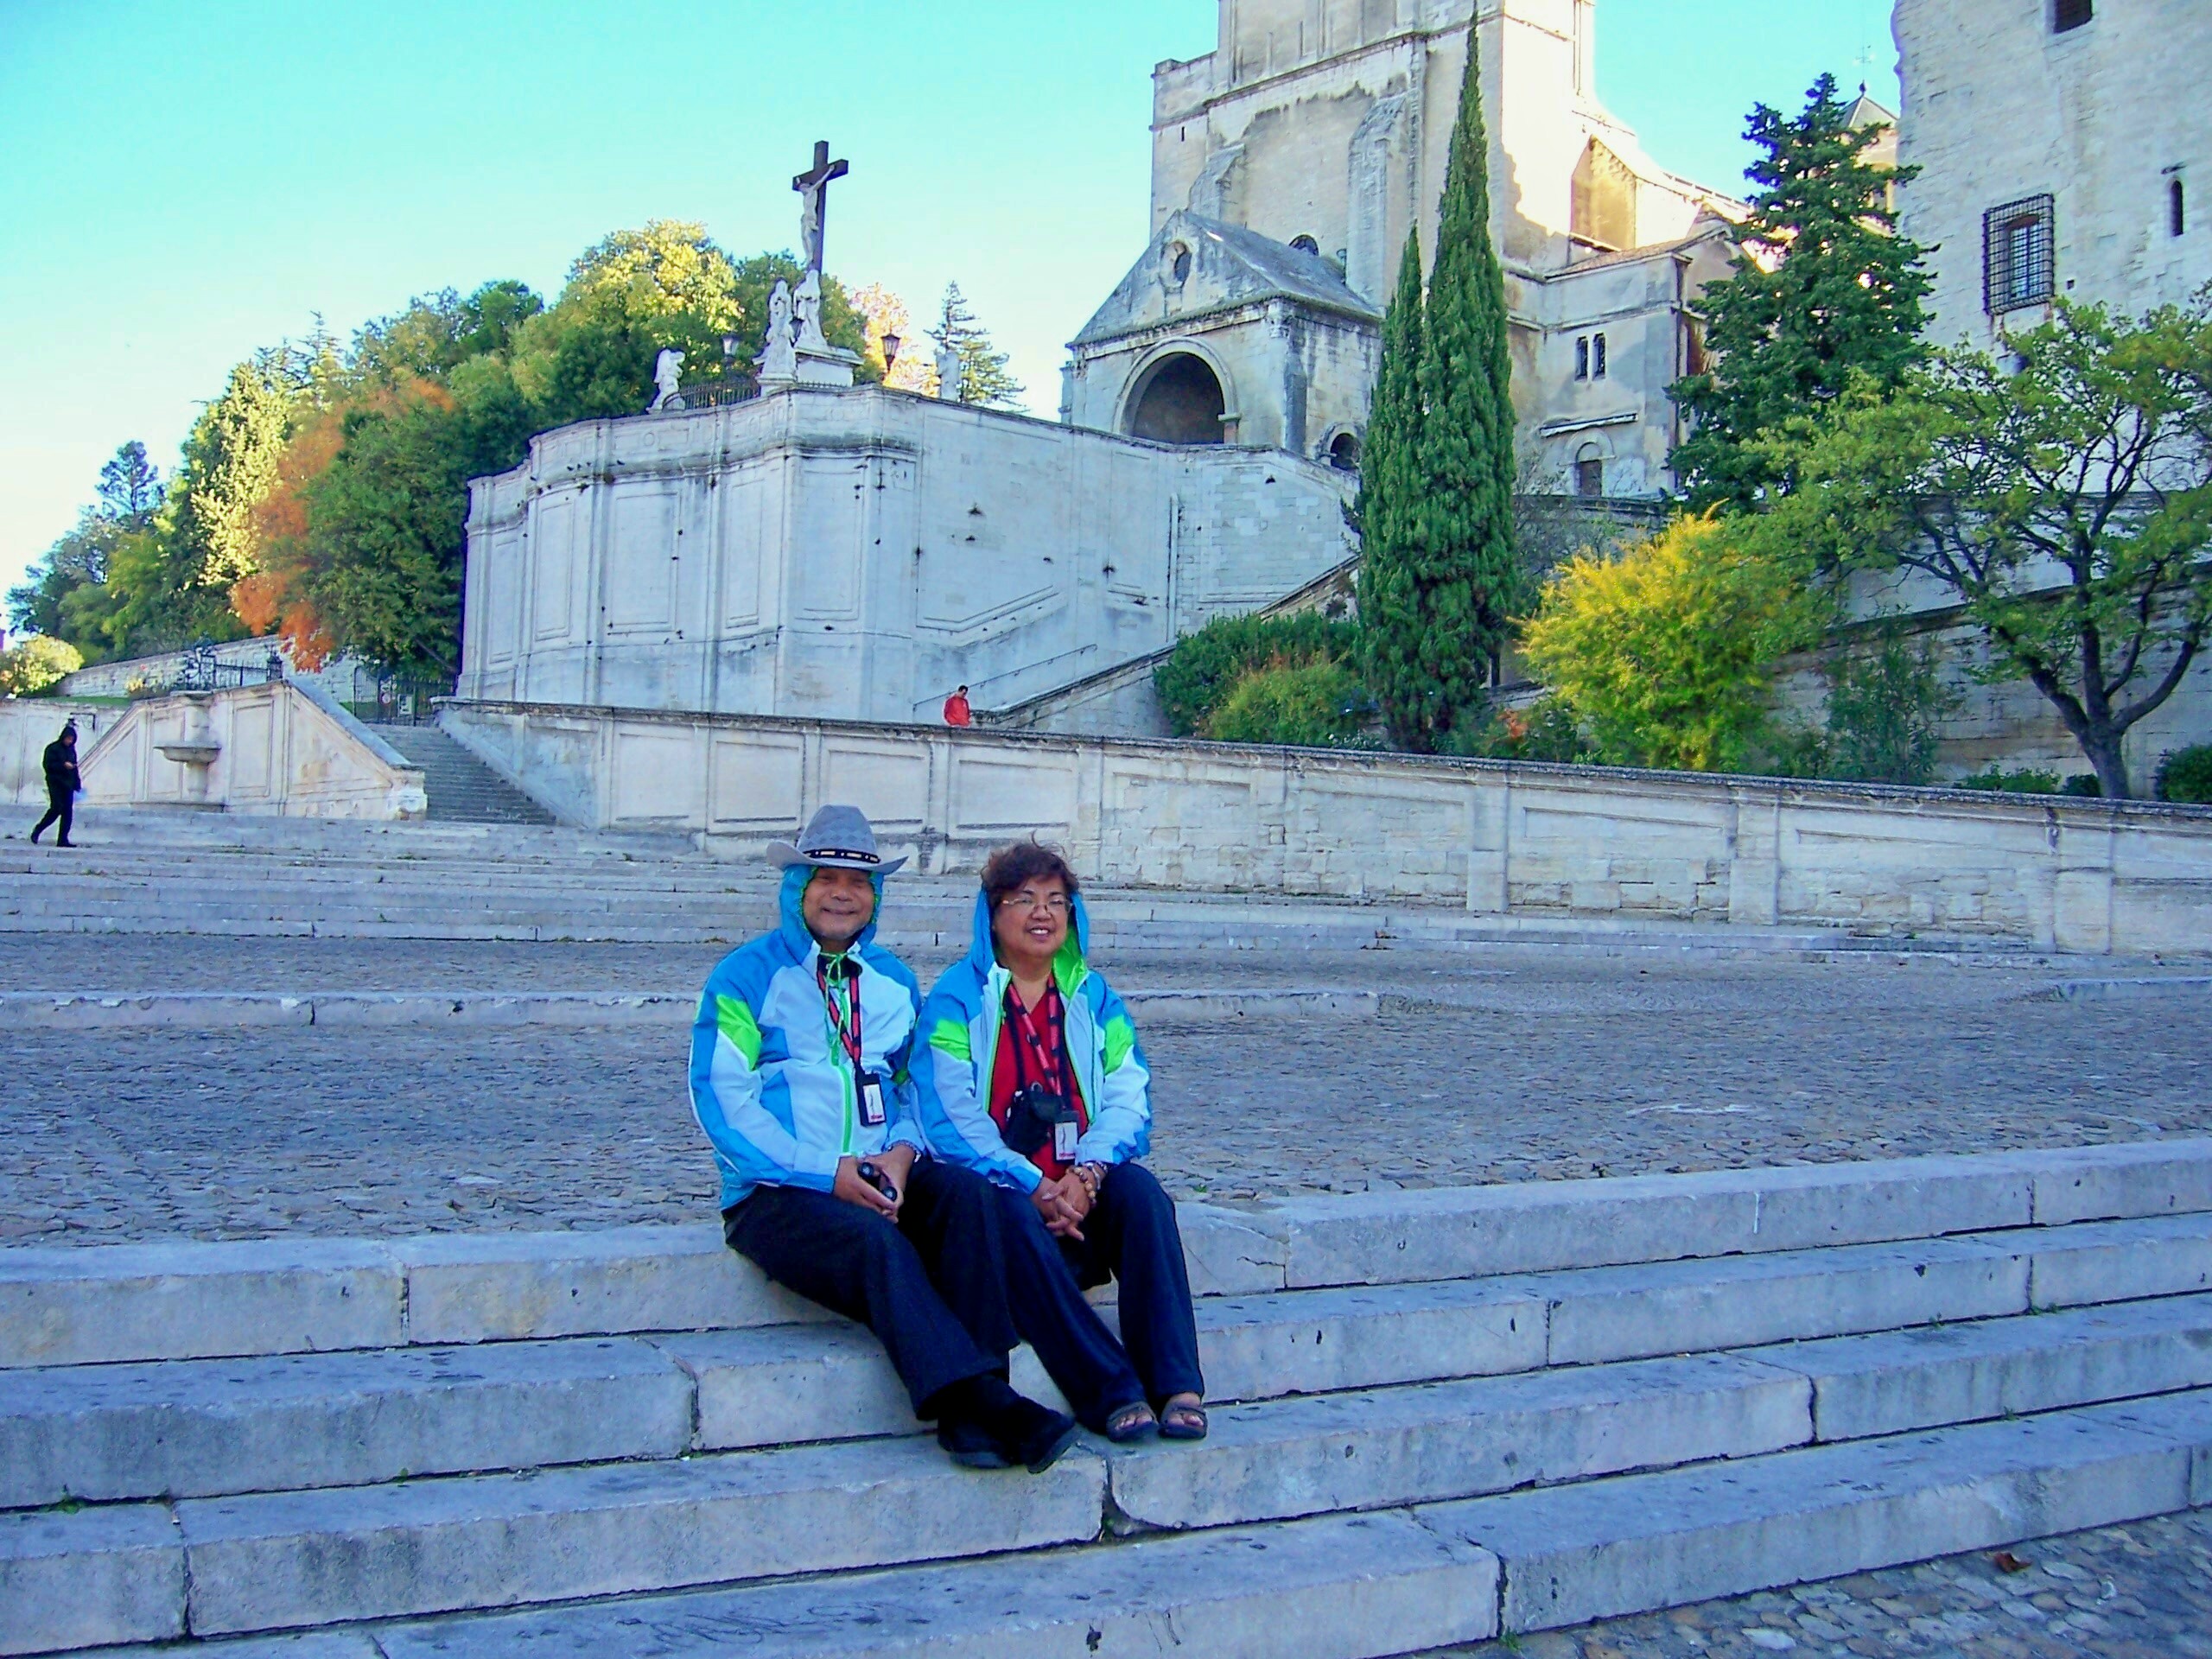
[956,712]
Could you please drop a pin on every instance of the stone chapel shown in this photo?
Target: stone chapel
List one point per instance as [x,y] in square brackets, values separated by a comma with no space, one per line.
[1289,165]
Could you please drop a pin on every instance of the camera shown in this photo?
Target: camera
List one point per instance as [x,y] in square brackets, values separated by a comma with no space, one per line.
[881,1182]
[1037,1117]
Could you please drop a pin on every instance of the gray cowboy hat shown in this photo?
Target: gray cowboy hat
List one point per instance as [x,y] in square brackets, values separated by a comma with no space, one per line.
[836,837]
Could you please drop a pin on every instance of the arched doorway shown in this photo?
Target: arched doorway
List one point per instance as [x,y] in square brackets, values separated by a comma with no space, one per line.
[1181,402]
[1343,452]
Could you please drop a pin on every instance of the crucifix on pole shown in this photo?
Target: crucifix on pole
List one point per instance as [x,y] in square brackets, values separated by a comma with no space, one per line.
[813,188]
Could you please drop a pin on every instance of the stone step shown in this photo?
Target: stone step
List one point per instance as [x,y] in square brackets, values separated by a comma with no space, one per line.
[282,1560]
[1586,1545]
[1382,1584]
[211,1427]
[1889,1383]
[1349,1587]
[461,786]
[1707,1258]
[1603,1549]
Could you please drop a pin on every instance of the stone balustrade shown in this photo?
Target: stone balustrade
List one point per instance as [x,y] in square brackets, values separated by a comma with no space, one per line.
[1496,837]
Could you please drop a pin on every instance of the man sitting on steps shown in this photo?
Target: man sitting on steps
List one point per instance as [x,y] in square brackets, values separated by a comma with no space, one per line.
[799,1077]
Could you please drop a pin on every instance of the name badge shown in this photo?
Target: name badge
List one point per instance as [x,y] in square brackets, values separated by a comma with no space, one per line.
[1063,1139]
[869,1088]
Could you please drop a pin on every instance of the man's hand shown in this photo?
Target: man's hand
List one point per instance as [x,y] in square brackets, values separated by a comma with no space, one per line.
[853,1190]
[1063,1215]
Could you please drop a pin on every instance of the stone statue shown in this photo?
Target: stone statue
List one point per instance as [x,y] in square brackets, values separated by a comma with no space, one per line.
[668,374]
[813,188]
[950,373]
[778,361]
[809,304]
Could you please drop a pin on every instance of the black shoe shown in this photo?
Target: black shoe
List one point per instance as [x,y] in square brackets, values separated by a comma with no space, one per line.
[65,843]
[1033,1436]
[970,1445]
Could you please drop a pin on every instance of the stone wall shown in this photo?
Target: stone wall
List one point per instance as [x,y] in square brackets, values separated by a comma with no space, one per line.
[858,554]
[1493,838]
[285,750]
[27,726]
[2103,118]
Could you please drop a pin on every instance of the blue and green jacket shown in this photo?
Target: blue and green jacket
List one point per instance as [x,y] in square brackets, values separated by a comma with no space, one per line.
[960,1028]
[770,1084]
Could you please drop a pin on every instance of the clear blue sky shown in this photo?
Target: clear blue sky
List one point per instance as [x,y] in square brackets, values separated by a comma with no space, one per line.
[183,183]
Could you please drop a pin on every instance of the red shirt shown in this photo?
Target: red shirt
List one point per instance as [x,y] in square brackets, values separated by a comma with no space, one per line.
[956,712]
[1033,1048]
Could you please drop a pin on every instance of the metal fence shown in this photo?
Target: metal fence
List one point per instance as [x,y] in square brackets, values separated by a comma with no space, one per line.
[403,700]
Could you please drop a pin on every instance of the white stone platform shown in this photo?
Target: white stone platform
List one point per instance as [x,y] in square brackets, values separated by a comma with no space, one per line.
[1442,1415]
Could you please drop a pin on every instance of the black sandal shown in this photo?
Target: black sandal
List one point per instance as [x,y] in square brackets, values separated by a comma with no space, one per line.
[1183,1423]
[1130,1422]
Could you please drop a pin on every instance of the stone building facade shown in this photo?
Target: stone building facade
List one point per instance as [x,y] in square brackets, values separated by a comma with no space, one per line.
[1303,151]
[2067,149]
[855,554]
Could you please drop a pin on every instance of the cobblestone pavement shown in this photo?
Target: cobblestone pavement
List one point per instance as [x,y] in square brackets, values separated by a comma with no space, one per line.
[2140,1591]
[1499,1065]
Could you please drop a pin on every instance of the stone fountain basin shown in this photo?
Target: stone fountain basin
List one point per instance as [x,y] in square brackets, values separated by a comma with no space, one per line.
[191,754]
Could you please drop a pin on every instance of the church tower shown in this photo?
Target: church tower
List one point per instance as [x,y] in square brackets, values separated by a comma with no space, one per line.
[1290,164]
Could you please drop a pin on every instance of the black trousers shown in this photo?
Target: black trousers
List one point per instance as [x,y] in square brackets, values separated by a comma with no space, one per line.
[940,1289]
[1130,1234]
[59,809]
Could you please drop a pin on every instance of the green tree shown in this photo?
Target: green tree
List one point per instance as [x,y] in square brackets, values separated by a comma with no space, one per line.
[29,668]
[1824,290]
[380,560]
[65,594]
[1448,582]
[983,377]
[1665,654]
[2066,506]
[1387,511]
[627,296]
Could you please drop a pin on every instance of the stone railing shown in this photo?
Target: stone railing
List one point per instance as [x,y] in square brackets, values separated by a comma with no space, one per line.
[1494,837]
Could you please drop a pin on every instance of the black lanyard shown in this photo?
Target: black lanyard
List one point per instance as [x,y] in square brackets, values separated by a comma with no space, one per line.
[849,1040]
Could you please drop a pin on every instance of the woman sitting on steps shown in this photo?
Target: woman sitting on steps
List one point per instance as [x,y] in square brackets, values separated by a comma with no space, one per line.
[1033,1078]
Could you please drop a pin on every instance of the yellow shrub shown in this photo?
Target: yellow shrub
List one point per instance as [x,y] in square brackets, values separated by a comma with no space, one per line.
[1665,652]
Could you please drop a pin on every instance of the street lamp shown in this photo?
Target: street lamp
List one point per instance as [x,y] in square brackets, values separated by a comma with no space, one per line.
[729,347]
[890,344]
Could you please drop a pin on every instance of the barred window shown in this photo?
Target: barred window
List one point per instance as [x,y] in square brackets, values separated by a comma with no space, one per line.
[2017,243]
[2067,14]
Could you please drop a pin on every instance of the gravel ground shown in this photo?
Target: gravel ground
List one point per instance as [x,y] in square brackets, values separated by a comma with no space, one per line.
[2140,1591]
[1501,1064]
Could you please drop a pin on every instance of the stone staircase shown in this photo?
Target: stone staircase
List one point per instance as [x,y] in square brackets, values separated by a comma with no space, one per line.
[460,787]
[1442,1416]
[152,872]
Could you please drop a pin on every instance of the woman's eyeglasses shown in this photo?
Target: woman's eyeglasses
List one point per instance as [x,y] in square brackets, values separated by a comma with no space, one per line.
[1057,902]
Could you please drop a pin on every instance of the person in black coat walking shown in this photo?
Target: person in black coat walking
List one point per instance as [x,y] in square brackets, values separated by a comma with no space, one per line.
[61,784]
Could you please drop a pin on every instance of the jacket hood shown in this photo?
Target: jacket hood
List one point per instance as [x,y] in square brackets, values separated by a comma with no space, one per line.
[1068,966]
[793,926]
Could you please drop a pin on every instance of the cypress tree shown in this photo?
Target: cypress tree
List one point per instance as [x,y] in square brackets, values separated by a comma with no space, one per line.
[1389,490]
[1466,583]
